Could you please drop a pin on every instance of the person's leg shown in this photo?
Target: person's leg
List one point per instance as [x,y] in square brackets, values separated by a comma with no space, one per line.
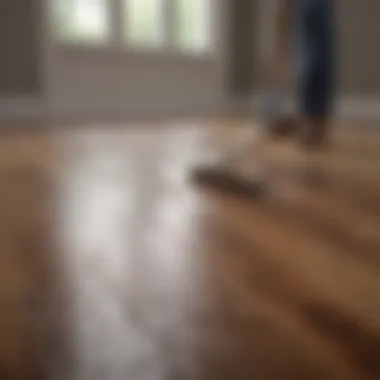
[315,57]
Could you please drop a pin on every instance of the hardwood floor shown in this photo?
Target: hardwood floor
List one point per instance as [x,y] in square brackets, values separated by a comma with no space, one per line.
[114,266]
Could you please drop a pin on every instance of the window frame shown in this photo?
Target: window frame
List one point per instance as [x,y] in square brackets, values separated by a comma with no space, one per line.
[116,44]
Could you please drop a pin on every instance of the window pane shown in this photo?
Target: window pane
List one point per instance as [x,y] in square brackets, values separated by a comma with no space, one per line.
[81,20]
[144,22]
[193,24]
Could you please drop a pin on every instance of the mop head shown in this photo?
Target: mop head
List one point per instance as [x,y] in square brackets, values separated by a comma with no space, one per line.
[229,180]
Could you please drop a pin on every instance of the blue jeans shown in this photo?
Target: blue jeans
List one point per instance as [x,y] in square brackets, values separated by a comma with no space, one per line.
[314,53]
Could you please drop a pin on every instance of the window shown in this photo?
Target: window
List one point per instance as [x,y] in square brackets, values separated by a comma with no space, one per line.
[177,25]
[192,24]
[81,20]
[144,24]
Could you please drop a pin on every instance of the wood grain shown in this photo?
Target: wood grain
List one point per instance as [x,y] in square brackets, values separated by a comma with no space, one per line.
[113,265]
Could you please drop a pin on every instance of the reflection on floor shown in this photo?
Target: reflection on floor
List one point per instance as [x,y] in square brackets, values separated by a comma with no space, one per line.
[113,266]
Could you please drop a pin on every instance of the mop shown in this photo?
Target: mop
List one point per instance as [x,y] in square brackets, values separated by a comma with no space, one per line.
[240,169]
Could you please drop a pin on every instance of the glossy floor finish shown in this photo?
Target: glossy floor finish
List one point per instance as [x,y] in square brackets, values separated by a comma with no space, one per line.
[113,266]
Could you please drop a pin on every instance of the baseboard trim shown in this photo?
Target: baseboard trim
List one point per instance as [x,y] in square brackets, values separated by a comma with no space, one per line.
[359,108]
[137,112]
[348,108]
[22,108]
[35,109]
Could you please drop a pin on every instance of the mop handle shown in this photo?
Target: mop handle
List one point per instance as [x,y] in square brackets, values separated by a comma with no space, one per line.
[277,71]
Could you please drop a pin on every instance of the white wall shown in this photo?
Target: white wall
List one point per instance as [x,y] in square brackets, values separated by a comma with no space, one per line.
[112,82]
